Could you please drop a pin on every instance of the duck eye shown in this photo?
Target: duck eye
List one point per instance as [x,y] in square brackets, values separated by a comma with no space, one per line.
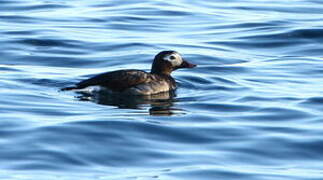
[172,57]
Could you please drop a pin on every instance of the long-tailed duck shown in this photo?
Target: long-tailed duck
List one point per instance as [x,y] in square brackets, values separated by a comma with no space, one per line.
[137,82]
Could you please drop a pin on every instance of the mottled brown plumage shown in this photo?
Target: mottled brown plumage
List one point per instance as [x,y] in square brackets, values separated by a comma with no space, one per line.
[139,82]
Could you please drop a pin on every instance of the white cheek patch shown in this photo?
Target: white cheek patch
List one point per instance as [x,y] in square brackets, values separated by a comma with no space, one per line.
[175,62]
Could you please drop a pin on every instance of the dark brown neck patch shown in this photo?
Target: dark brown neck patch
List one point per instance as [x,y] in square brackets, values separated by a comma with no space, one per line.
[163,68]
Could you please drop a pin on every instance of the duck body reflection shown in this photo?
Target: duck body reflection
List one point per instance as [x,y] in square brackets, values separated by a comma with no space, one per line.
[160,104]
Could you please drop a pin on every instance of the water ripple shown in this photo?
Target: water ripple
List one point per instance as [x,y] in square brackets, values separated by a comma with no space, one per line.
[251,109]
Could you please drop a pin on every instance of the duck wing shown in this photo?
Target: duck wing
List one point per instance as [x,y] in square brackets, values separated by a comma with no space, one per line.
[115,80]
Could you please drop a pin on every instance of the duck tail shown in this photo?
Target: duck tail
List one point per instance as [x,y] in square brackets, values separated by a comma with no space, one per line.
[69,88]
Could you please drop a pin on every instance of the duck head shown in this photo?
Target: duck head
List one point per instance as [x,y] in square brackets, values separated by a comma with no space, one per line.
[167,61]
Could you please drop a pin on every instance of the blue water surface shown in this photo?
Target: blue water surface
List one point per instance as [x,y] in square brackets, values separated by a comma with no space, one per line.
[251,110]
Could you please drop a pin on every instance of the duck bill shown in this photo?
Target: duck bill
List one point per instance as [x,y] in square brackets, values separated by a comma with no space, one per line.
[186,64]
